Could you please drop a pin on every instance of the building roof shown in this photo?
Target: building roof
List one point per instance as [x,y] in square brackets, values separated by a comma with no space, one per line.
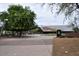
[56,27]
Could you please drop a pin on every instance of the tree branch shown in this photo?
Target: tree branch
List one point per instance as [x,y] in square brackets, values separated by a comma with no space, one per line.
[72,11]
[77,5]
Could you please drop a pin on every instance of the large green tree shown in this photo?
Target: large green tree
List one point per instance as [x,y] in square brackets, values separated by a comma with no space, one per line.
[18,19]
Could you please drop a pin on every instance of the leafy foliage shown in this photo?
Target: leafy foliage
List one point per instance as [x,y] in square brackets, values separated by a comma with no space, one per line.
[17,18]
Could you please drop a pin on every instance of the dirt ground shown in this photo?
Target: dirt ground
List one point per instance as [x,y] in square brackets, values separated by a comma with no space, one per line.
[65,47]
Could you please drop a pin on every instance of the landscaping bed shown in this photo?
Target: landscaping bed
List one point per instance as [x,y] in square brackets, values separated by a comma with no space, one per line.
[71,35]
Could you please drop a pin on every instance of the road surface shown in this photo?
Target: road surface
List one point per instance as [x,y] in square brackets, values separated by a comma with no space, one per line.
[37,45]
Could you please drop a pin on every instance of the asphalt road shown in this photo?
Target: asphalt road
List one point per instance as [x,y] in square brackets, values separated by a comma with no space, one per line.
[38,45]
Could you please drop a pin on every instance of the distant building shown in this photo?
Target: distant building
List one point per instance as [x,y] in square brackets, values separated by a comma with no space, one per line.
[54,28]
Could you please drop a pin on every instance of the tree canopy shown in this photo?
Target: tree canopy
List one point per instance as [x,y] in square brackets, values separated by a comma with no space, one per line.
[18,18]
[70,11]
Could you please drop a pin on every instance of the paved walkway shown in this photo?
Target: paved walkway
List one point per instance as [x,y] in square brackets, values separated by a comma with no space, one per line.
[35,46]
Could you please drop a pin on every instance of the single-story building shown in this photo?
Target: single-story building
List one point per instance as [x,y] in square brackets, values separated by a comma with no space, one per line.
[54,28]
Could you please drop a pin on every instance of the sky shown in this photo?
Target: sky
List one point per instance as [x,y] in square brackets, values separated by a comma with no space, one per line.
[44,16]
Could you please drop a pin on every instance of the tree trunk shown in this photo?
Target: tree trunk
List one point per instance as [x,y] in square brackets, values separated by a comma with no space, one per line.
[20,33]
